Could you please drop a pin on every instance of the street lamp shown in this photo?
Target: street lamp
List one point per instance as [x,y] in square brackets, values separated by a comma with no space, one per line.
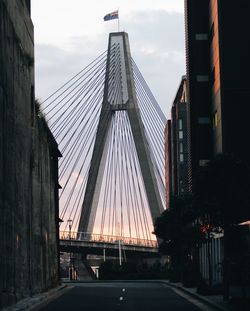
[69,221]
[118,233]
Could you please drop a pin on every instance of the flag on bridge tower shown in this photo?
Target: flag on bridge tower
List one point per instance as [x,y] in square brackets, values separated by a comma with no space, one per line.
[111,16]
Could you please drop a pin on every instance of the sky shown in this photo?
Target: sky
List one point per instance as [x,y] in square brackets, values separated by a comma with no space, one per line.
[71,34]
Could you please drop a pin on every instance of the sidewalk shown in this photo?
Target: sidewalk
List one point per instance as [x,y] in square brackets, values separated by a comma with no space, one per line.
[37,301]
[215,302]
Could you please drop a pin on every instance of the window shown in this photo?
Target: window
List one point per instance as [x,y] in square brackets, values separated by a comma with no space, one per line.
[181,147]
[180,124]
[203,120]
[201,36]
[180,134]
[203,162]
[202,78]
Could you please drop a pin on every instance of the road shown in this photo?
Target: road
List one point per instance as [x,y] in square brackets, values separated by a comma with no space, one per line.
[123,296]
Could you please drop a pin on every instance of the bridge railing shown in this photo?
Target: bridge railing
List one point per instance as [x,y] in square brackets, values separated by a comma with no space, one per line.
[93,237]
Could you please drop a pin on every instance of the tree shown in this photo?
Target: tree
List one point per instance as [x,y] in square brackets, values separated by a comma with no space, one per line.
[222,200]
[177,229]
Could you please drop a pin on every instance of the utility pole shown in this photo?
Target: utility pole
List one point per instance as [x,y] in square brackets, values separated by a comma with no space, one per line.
[120,251]
[104,254]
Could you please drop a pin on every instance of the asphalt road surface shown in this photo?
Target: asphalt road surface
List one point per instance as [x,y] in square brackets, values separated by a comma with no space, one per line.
[121,296]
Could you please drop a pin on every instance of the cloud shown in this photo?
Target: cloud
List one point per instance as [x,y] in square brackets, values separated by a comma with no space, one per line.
[156,42]
[157,46]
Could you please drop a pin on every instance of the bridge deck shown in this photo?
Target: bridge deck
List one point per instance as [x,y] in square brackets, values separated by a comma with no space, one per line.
[90,243]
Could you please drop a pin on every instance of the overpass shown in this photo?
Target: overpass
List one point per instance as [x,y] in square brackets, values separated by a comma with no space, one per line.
[97,244]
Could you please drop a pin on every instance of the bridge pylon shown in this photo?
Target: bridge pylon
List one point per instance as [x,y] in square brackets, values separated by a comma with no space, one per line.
[118,52]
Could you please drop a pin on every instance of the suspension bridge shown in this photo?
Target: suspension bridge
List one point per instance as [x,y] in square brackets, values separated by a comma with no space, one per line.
[110,131]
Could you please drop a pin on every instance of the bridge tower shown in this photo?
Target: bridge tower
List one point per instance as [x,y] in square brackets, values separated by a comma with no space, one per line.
[118,49]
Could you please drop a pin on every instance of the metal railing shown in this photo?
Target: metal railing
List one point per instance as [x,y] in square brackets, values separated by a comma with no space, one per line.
[93,237]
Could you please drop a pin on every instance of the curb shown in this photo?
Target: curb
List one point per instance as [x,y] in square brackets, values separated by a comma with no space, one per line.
[39,300]
[203,299]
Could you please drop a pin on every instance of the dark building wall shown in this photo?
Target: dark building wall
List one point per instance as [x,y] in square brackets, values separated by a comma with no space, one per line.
[218,44]
[234,43]
[44,207]
[27,221]
[176,147]
[168,164]
[179,142]
[198,86]
[27,4]
[16,85]
[215,77]
[225,45]
[174,163]
[182,152]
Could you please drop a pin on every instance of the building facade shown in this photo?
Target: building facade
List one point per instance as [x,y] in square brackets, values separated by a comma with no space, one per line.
[168,164]
[28,167]
[198,92]
[229,46]
[176,147]
[218,63]
[218,89]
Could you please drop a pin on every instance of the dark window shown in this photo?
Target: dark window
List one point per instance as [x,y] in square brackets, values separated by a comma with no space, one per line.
[180,124]
[181,147]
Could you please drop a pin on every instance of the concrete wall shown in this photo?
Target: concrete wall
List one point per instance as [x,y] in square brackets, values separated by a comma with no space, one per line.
[28,167]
